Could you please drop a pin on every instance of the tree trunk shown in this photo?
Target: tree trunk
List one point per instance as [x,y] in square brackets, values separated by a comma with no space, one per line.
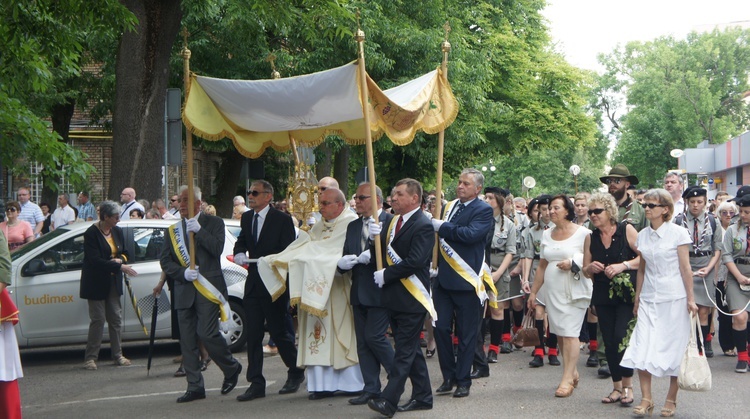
[142,74]
[323,161]
[341,169]
[227,181]
[61,115]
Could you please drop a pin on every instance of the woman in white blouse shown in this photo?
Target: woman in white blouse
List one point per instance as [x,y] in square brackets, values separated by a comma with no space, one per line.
[663,302]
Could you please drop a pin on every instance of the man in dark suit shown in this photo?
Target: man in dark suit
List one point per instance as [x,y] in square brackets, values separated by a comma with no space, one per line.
[411,240]
[465,233]
[370,317]
[265,231]
[198,315]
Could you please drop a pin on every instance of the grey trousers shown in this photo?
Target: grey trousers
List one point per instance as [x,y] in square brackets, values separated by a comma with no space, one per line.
[99,311]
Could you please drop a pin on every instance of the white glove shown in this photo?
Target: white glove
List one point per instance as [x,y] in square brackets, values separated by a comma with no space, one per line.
[311,220]
[347,262]
[379,280]
[193,226]
[191,274]
[436,224]
[364,257]
[428,215]
[375,228]
[240,259]
[433,273]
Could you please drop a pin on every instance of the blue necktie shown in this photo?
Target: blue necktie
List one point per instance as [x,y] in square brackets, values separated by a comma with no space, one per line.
[459,208]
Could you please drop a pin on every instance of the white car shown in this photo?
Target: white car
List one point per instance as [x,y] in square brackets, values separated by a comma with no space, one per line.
[46,274]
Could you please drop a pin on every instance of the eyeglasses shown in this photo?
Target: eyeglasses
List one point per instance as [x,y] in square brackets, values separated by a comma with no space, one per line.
[322,188]
[325,203]
[615,180]
[652,206]
[256,193]
[729,213]
[596,211]
[11,210]
[361,197]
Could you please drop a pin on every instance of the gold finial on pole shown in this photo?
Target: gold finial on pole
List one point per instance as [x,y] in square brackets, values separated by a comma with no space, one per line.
[360,35]
[446,46]
[272,59]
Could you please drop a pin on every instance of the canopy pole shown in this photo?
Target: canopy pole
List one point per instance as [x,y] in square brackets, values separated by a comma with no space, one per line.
[189,144]
[446,47]
[360,38]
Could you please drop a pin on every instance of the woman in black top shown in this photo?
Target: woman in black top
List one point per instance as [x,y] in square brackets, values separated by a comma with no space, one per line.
[610,259]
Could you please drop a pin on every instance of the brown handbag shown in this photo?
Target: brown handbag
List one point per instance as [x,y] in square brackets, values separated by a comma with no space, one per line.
[527,335]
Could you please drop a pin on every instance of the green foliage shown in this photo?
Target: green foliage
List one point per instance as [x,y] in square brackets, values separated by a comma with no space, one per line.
[680,92]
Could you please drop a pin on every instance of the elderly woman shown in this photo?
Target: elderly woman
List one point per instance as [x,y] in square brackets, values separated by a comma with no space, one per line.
[610,259]
[725,212]
[567,295]
[104,260]
[663,302]
[17,232]
[736,257]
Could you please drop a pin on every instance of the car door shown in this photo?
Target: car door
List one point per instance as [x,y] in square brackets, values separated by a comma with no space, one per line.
[47,289]
[145,244]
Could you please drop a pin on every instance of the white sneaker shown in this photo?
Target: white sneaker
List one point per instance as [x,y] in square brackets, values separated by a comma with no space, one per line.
[90,365]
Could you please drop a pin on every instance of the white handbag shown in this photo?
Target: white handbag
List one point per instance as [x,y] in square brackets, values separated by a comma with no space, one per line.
[695,374]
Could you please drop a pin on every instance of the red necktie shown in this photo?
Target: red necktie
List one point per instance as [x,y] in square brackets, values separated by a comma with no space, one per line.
[399,224]
[695,233]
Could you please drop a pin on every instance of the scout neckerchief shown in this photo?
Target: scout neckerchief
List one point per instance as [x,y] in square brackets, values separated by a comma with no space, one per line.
[203,286]
[697,243]
[476,279]
[412,283]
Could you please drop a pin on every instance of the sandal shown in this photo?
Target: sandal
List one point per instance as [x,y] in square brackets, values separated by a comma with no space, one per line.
[122,361]
[609,399]
[90,365]
[430,353]
[641,411]
[730,352]
[627,396]
[667,412]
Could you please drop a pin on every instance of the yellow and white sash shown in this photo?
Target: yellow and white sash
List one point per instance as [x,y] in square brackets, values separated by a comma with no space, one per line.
[412,283]
[476,279]
[206,288]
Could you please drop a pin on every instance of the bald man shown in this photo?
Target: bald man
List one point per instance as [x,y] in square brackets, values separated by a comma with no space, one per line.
[127,197]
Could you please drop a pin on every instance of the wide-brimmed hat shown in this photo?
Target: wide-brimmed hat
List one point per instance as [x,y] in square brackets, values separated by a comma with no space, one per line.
[620,171]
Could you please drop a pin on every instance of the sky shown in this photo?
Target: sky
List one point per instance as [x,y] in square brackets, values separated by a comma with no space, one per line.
[583,28]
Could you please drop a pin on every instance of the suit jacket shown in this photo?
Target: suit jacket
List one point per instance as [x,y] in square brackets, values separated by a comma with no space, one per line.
[99,271]
[209,244]
[274,237]
[467,234]
[364,290]
[413,243]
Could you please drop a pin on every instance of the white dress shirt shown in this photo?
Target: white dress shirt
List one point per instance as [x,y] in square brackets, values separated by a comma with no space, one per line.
[662,280]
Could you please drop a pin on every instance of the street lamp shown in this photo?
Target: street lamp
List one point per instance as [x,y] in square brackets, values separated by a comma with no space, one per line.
[492,168]
[575,171]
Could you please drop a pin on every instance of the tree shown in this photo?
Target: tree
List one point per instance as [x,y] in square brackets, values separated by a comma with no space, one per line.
[679,93]
[43,50]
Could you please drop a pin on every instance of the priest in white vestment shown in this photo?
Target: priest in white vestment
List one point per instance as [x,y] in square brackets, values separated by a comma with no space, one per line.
[327,342]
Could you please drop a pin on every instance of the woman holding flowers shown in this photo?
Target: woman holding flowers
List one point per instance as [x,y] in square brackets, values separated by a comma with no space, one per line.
[611,262]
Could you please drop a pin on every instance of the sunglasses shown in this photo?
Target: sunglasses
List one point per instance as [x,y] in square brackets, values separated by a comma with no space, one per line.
[652,206]
[596,211]
[10,210]
[256,193]
[616,181]
[361,197]
[730,213]
[173,200]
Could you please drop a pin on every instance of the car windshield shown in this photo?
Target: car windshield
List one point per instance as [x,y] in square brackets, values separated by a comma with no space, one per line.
[36,243]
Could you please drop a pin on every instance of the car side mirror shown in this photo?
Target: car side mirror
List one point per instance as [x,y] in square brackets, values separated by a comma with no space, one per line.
[35,267]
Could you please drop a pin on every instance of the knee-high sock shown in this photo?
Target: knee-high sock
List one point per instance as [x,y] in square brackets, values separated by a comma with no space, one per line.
[539,349]
[517,318]
[706,330]
[506,325]
[740,341]
[496,329]
[552,341]
[593,343]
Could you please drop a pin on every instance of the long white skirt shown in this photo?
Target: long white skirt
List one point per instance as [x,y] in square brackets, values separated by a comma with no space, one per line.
[660,338]
[10,358]
[321,378]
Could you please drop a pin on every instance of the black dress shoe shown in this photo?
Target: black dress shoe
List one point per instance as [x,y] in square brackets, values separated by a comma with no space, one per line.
[461,391]
[291,385]
[317,395]
[553,360]
[603,371]
[446,387]
[189,396]
[382,406]
[363,399]
[255,391]
[479,374]
[231,381]
[593,360]
[429,353]
[492,357]
[537,362]
[415,405]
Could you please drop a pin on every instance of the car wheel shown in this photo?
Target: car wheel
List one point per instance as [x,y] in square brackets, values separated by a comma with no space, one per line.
[236,336]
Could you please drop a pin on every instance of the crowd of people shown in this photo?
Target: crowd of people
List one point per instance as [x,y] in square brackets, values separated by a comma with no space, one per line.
[616,270]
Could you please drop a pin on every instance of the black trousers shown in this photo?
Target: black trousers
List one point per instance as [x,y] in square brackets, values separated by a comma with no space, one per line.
[373,347]
[260,311]
[408,360]
[613,323]
[464,305]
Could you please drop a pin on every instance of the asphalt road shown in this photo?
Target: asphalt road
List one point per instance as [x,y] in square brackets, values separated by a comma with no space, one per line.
[55,386]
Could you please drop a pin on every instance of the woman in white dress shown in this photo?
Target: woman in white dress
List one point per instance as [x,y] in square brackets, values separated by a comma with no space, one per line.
[663,302]
[567,292]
